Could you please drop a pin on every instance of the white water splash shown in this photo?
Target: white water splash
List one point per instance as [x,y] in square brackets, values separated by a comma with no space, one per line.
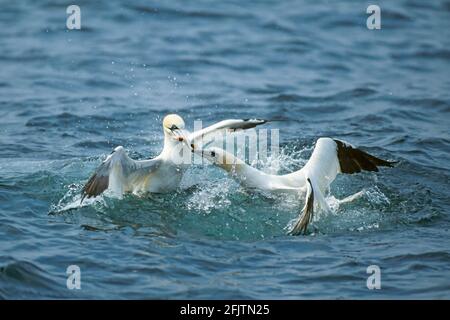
[211,196]
[72,200]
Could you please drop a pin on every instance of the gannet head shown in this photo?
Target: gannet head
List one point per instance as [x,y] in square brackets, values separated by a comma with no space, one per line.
[220,158]
[173,122]
[173,126]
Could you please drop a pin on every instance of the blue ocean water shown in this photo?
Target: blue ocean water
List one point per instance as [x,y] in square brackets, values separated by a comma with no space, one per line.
[67,97]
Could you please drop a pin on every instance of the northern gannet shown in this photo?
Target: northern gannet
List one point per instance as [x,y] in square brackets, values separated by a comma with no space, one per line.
[120,174]
[330,157]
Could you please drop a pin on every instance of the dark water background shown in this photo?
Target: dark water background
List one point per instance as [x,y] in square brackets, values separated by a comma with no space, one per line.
[68,97]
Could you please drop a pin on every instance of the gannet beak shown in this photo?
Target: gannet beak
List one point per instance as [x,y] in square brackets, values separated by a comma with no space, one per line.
[182,136]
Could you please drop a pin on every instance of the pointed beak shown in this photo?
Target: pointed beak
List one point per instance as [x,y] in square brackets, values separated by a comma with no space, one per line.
[182,136]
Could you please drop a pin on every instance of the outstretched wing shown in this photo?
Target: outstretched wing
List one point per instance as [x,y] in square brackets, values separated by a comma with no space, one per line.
[230,124]
[353,160]
[119,168]
[329,158]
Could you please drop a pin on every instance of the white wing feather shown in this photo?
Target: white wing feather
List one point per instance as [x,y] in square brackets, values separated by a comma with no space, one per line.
[230,124]
[118,172]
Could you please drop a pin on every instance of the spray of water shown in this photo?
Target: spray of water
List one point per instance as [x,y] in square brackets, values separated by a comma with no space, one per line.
[209,197]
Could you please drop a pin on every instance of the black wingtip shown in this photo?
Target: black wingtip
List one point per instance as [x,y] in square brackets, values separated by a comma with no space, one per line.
[352,160]
[306,216]
[95,186]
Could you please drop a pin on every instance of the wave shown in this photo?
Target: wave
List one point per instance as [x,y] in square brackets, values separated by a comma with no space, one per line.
[343,95]
[22,278]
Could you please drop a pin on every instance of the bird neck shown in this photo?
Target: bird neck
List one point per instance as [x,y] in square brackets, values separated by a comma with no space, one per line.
[169,145]
[175,151]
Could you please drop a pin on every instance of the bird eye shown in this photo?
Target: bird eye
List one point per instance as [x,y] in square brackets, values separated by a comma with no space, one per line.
[173,127]
[213,154]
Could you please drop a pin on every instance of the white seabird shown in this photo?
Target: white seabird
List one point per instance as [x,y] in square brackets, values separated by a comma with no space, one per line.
[329,158]
[121,174]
